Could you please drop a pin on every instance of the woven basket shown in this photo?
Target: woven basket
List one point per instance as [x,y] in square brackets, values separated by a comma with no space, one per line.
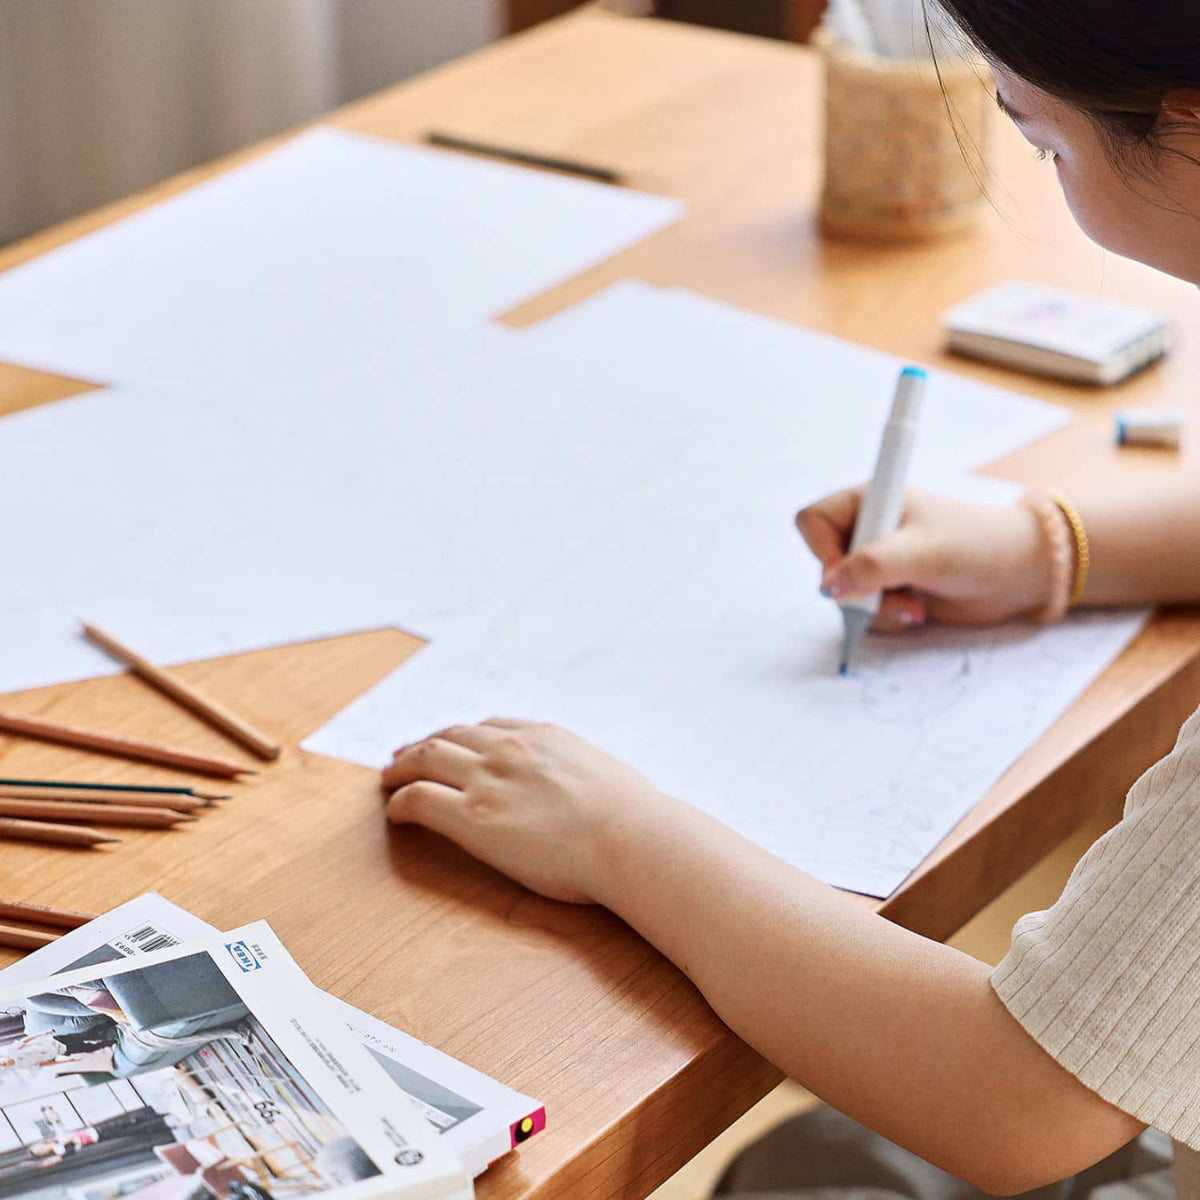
[896,164]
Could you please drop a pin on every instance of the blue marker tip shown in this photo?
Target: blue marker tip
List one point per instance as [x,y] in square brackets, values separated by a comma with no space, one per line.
[917,372]
[1121,431]
[844,669]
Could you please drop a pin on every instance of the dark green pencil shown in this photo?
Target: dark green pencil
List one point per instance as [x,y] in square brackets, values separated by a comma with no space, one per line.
[113,787]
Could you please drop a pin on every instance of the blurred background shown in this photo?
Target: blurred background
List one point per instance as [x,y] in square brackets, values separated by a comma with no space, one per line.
[100,98]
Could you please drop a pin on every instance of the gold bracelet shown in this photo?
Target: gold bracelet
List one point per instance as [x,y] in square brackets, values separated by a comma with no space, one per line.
[1065,545]
[1083,552]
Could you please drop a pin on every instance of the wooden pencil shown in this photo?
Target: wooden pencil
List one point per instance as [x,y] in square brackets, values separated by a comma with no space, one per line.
[16,938]
[141,788]
[42,914]
[182,804]
[57,835]
[100,814]
[191,698]
[122,747]
[510,154]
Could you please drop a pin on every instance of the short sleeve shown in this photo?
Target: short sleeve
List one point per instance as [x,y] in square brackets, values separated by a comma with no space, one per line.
[1108,980]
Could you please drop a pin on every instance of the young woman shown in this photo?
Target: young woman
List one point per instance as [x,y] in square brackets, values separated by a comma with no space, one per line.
[1089,1031]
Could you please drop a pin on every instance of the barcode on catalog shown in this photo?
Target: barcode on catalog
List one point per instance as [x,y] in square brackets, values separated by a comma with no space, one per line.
[149,937]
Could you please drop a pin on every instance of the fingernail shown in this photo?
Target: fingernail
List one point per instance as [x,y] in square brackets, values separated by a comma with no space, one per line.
[908,617]
[835,590]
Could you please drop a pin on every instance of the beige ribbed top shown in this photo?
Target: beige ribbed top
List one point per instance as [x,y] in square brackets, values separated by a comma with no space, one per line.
[1108,980]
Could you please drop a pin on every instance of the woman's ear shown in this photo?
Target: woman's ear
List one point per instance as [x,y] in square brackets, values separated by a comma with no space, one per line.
[1182,104]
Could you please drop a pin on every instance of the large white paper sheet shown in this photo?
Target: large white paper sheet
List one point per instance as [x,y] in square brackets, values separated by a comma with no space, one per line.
[305,257]
[478,1117]
[424,486]
[688,637]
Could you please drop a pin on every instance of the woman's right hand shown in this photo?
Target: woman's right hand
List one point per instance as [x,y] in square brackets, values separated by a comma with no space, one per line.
[957,563]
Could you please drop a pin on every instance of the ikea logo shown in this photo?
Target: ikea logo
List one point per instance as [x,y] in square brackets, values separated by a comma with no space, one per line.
[245,958]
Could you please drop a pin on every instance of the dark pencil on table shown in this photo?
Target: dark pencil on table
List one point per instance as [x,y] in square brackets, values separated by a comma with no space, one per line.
[182,804]
[57,835]
[122,747]
[17,938]
[191,698]
[43,914]
[148,789]
[524,157]
[100,814]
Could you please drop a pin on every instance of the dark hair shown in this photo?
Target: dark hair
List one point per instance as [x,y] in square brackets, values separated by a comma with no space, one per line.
[1115,60]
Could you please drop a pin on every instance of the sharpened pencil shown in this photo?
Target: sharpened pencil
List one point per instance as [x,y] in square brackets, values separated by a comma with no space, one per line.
[524,157]
[100,814]
[181,804]
[141,788]
[58,835]
[42,914]
[191,698]
[17,938]
[122,747]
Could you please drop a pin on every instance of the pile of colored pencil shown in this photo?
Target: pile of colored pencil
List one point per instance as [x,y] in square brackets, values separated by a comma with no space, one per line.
[63,813]
[47,810]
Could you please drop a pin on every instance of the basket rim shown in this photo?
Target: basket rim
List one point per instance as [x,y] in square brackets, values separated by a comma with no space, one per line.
[926,71]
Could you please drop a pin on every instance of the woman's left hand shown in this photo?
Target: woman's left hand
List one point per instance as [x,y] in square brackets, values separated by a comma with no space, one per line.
[534,801]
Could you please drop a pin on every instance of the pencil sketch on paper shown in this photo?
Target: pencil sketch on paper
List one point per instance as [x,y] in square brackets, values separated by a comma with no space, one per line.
[852,779]
[951,712]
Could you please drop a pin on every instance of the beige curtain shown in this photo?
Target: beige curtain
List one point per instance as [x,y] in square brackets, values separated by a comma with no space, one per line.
[101,97]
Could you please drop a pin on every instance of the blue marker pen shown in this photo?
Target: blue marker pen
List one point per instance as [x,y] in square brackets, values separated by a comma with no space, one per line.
[883,503]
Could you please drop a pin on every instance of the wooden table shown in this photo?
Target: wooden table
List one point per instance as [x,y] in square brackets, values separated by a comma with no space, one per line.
[566,1003]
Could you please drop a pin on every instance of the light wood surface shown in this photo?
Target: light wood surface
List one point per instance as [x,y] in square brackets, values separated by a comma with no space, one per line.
[562,1002]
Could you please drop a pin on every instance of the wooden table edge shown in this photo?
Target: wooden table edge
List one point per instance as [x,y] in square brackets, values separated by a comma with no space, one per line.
[1019,835]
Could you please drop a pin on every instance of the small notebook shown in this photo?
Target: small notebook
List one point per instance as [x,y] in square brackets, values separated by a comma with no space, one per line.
[1058,333]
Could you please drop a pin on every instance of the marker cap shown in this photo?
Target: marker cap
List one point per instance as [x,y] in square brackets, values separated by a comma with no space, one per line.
[1149,427]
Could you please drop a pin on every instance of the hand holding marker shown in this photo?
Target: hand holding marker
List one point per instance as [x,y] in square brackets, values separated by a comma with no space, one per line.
[883,503]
